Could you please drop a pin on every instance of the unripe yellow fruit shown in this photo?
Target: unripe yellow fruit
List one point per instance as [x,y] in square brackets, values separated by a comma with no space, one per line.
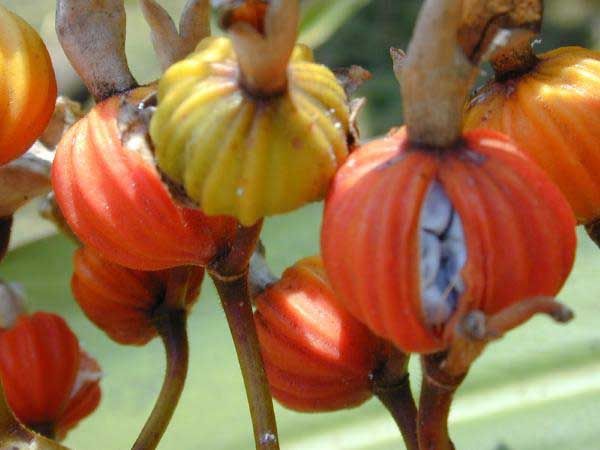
[248,156]
[27,86]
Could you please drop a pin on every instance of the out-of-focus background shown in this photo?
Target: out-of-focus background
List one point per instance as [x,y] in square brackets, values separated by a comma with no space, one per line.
[537,389]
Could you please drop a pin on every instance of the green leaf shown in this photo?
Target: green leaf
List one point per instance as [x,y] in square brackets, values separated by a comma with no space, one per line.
[322,18]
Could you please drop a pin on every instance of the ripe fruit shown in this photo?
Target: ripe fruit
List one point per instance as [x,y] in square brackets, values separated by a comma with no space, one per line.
[27,86]
[121,301]
[551,110]
[246,129]
[317,356]
[415,238]
[50,382]
[115,202]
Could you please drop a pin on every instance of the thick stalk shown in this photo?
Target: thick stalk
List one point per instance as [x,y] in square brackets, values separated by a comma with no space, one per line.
[437,392]
[172,329]
[391,385]
[230,275]
[436,76]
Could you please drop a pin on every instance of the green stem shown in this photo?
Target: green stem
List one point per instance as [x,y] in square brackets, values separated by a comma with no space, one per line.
[230,275]
[173,331]
[437,392]
[391,385]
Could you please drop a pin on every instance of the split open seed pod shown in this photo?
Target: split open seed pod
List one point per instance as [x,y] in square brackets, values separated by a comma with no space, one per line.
[250,125]
[115,202]
[317,356]
[121,301]
[550,107]
[413,239]
[49,381]
[27,86]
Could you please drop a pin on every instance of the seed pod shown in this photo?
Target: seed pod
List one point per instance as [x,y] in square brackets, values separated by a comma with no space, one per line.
[122,301]
[551,111]
[50,383]
[115,202]
[317,356]
[27,86]
[246,129]
[415,238]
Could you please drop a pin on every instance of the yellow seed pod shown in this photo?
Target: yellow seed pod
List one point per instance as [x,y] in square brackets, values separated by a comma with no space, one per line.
[27,86]
[247,134]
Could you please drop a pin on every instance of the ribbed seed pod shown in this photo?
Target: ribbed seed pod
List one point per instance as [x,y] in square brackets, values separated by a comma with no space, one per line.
[552,113]
[27,86]
[122,301]
[413,239]
[317,356]
[50,383]
[115,202]
[244,156]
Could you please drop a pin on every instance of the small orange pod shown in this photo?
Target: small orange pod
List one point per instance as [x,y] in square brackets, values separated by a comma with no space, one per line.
[317,356]
[49,381]
[115,202]
[27,86]
[552,113]
[414,238]
[122,301]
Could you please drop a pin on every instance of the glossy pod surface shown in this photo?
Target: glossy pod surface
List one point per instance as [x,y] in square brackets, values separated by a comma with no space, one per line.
[122,301]
[518,232]
[552,113]
[317,356]
[50,383]
[115,202]
[243,156]
[27,86]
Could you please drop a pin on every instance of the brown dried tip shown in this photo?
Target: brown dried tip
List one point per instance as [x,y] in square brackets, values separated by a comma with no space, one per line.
[501,30]
[170,44]
[92,35]
[263,35]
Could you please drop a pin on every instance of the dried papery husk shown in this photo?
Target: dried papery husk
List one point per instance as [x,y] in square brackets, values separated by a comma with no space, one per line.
[170,44]
[27,86]
[518,232]
[92,35]
[41,365]
[113,199]
[123,302]
[242,156]
[317,356]
[552,113]
[12,304]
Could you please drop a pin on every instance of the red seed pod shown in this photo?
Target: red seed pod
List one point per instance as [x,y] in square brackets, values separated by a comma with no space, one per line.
[115,202]
[122,301]
[317,356]
[50,383]
[414,238]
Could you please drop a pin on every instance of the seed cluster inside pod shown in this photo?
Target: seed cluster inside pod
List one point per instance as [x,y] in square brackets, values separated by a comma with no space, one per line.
[443,254]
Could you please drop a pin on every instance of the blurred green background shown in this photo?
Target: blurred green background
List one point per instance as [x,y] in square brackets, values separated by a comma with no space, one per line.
[537,389]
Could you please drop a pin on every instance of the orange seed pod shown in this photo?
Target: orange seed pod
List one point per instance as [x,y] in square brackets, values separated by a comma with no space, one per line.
[27,86]
[115,202]
[122,301]
[50,383]
[317,356]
